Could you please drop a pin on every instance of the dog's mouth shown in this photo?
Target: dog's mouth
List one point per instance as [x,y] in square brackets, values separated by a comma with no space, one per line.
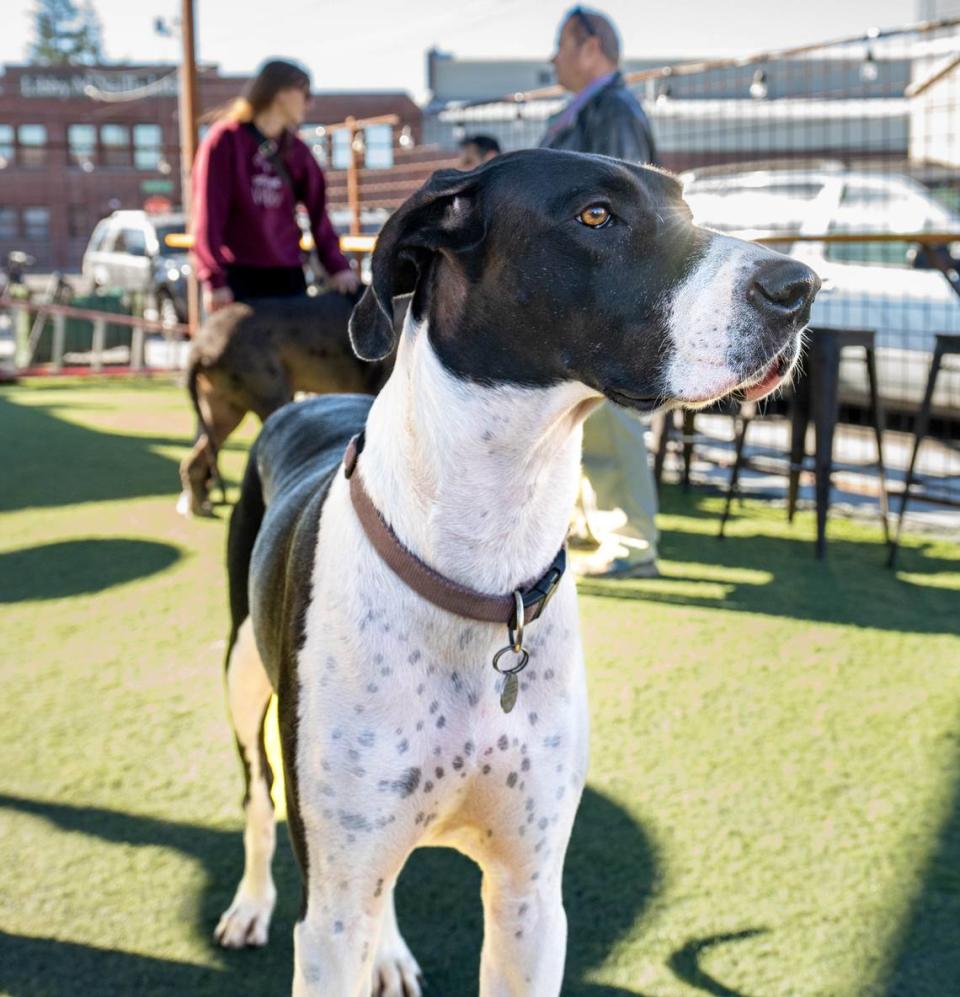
[769,378]
[757,385]
[640,403]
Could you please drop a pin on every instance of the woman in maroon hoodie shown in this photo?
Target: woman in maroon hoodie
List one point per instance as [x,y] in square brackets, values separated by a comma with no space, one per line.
[250,173]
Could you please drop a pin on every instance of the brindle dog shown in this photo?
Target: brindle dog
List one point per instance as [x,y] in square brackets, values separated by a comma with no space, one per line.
[253,358]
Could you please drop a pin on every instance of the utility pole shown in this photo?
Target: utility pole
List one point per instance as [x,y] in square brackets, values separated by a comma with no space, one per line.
[188,140]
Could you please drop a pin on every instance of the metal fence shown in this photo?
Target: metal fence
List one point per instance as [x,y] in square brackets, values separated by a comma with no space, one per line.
[845,154]
[50,338]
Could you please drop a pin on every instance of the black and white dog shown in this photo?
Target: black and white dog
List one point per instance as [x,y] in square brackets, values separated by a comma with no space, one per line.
[543,283]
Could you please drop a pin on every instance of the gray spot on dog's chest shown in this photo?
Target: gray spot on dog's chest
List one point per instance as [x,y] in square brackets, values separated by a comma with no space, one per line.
[404,786]
[354,822]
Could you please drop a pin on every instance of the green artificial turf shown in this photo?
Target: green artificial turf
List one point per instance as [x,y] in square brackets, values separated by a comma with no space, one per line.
[772,806]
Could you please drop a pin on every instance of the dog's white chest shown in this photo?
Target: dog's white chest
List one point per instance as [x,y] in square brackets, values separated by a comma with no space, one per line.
[400,718]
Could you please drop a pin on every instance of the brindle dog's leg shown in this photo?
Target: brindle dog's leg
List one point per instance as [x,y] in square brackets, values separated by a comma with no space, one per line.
[221,415]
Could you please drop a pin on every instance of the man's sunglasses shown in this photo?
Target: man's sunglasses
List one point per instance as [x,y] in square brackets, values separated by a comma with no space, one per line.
[580,15]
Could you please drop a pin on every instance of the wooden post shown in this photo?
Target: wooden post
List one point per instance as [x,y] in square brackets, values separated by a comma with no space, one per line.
[188,141]
[353,178]
[136,347]
[96,348]
[59,336]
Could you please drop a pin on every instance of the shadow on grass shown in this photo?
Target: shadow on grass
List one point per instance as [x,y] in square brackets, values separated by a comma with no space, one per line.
[609,879]
[685,962]
[79,567]
[852,586]
[50,462]
[926,961]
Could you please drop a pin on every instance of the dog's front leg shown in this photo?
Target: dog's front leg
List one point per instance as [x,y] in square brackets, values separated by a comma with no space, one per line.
[524,931]
[347,943]
[395,971]
[335,943]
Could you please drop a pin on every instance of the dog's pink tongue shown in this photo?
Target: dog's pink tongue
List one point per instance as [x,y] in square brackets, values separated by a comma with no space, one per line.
[770,380]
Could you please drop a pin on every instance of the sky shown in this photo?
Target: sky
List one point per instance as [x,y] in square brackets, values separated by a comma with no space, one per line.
[382,44]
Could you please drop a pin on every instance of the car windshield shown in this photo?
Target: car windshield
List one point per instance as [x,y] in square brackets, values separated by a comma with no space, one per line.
[892,206]
[736,202]
[98,237]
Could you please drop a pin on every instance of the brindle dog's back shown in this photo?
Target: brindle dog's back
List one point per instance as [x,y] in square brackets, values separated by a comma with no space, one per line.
[254,358]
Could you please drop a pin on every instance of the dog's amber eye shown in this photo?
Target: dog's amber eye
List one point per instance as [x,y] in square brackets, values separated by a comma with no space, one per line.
[596,216]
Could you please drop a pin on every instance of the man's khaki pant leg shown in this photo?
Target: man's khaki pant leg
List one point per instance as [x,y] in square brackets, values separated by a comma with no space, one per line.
[616,465]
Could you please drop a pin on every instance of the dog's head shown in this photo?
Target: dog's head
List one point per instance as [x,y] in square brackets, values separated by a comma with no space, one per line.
[546,266]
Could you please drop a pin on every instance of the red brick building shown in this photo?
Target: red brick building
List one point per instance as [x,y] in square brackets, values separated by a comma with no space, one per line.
[79,142]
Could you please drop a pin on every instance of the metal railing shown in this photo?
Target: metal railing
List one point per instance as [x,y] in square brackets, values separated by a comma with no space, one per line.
[173,335]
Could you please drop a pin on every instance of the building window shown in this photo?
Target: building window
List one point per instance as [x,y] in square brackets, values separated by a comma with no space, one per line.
[115,142]
[33,144]
[147,146]
[36,224]
[6,146]
[77,227]
[99,237]
[378,145]
[82,145]
[8,223]
[315,138]
[340,149]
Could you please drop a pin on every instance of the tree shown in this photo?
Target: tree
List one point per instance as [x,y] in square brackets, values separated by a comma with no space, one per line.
[66,32]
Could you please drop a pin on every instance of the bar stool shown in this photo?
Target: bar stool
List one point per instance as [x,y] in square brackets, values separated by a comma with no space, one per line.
[945,344]
[687,439]
[816,394]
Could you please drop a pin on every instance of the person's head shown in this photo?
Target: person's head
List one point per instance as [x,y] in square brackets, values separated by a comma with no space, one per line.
[281,87]
[587,47]
[475,150]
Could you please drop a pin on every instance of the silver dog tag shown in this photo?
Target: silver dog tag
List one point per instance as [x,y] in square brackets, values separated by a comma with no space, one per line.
[508,696]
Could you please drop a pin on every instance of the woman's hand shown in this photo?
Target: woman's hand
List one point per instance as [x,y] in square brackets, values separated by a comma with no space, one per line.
[215,298]
[344,282]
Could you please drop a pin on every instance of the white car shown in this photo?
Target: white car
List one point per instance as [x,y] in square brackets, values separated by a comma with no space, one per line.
[866,285]
[128,251]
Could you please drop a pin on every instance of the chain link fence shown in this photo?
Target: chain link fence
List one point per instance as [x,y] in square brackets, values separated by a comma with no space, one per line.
[844,154]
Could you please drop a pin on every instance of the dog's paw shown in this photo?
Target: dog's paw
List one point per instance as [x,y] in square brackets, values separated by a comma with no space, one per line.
[246,921]
[397,976]
[188,505]
[396,973]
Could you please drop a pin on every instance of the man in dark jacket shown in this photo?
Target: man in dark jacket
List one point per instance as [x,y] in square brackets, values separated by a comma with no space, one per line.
[604,117]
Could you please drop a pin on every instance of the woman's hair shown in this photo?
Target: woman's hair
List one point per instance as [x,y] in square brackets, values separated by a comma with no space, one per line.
[258,94]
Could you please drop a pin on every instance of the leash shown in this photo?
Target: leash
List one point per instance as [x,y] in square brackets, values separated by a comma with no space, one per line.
[520,607]
[270,150]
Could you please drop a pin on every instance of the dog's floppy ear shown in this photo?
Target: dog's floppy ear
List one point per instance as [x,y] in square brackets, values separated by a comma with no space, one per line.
[440,216]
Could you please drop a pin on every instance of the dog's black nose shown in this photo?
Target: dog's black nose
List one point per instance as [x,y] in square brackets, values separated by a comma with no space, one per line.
[783,289]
